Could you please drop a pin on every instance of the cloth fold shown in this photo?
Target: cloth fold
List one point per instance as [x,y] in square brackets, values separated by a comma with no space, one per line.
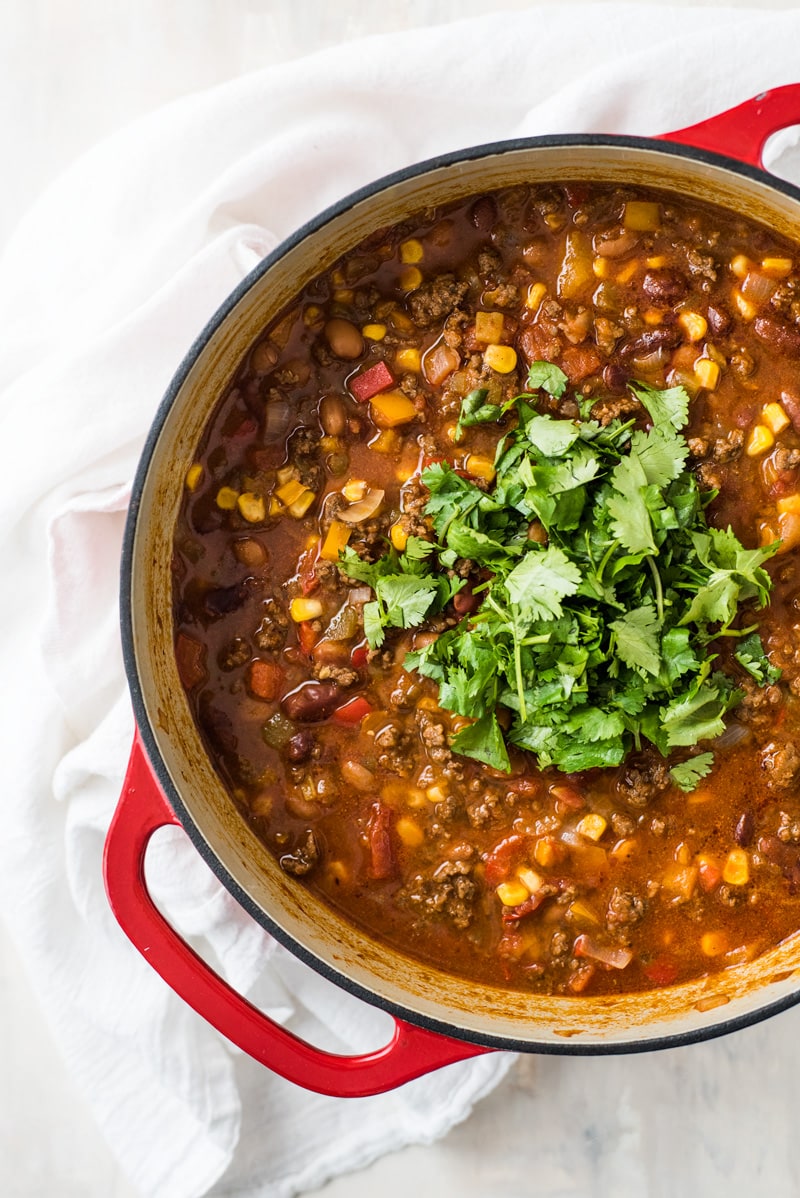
[102,289]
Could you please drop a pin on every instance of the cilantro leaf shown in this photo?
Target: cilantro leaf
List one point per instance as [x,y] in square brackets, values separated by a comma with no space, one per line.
[637,638]
[475,410]
[548,377]
[687,774]
[541,580]
[750,654]
[664,407]
[483,740]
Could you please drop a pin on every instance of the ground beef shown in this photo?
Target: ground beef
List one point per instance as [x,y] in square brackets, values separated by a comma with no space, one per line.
[414,498]
[786,459]
[436,299]
[759,704]
[700,265]
[483,809]
[742,363]
[303,858]
[341,674]
[639,784]
[393,747]
[434,739]
[449,891]
[624,909]
[303,449]
[622,824]
[236,653]
[504,295]
[721,450]
[271,632]
[786,299]
[781,762]
[789,829]
[606,410]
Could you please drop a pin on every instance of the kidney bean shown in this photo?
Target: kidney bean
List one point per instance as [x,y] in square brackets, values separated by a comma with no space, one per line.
[719,321]
[662,337]
[745,827]
[300,746]
[664,286]
[465,602]
[615,378]
[483,214]
[344,338]
[311,702]
[332,415]
[783,337]
[220,601]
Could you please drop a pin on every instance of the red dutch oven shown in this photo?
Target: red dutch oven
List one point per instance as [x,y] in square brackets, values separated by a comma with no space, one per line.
[439,1019]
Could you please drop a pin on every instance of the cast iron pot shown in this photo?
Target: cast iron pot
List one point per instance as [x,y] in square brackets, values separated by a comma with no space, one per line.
[438,1019]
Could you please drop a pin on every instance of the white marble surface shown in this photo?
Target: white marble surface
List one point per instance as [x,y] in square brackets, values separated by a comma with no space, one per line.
[714,1119]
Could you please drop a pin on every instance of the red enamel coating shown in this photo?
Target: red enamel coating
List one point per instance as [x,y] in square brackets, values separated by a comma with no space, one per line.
[411,1051]
[739,133]
[742,132]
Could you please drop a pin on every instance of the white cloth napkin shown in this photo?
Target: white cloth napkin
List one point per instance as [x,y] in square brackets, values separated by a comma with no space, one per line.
[102,289]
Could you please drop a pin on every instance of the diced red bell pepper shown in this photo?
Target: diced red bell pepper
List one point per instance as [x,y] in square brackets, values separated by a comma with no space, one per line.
[353,711]
[358,658]
[381,844]
[661,972]
[190,657]
[363,386]
[307,636]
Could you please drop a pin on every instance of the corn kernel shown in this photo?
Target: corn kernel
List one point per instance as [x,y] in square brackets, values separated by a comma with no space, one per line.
[480,467]
[193,476]
[410,278]
[337,277]
[399,537]
[774,417]
[385,442]
[652,316]
[301,505]
[336,538]
[436,794]
[713,944]
[626,273]
[343,295]
[532,881]
[411,250]
[554,221]
[290,491]
[777,268]
[600,268]
[592,826]
[488,327]
[707,373]
[329,444]
[401,321]
[502,358]
[740,265]
[790,503]
[275,506]
[511,894]
[736,870]
[759,440]
[252,507]
[312,314]
[304,607]
[544,853]
[354,489]
[226,498]
[694,325]
[745,309]
[409,832]
[656,262]
[642,216]
[536,293]
[582,912]
[374,332]
[408,359]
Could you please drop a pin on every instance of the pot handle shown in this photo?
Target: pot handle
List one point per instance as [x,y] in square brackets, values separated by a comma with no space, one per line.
[141,810]
[742,132]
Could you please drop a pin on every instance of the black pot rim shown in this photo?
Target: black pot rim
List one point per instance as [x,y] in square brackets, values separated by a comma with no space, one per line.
[569,1047]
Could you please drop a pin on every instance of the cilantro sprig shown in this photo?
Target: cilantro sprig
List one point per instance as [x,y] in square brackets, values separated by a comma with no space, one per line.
[596,636]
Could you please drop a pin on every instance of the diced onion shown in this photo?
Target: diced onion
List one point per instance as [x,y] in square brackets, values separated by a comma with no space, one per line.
[359,595]
[734,734]
[758,288]
[363,508]
[276,418]
[616,958]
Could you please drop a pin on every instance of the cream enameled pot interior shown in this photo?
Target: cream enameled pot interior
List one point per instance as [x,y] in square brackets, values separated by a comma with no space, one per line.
[240,859]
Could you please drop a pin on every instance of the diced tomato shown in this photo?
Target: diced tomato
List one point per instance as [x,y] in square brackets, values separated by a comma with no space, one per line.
[353,711]
[381,843]
[363,386]
[247,427]
[307,636]
[358,658]
[190,657]
[504,856]
[567,798]
[661,972]
[264,680]
[514,914]
[580,361]
[582,976]
[709,875]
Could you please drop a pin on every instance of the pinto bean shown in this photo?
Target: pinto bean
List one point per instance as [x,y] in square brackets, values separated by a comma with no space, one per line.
[357,775]
[783,337]
[344,338]
[263,357]
[311,702]
[332,415]
[249,551]
[664,286]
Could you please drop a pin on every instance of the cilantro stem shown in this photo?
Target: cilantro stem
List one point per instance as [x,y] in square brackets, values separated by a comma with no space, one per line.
[659,590]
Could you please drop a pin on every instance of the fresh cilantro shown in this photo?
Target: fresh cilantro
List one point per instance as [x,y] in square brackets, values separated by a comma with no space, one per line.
[603,589]
[687,774]
[547,377]
[751,656]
